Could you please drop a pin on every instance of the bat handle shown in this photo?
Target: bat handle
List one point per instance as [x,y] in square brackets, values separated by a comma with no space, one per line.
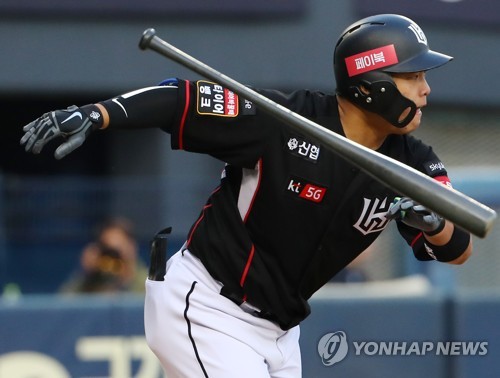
[147,37]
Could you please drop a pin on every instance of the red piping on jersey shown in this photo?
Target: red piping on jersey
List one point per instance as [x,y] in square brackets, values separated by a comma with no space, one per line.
[184,116]
[200,218]
[247,266]
[416,238]
[197,223]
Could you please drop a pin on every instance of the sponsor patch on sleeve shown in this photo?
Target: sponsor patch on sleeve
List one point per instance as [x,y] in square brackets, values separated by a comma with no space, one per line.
[213,99]
[248,108]
[435,168]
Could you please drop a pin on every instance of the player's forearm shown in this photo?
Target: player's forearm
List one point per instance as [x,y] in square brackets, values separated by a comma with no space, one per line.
[464,256]
[152,107]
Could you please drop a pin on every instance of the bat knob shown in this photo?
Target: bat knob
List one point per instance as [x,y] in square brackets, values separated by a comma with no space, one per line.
[146,38]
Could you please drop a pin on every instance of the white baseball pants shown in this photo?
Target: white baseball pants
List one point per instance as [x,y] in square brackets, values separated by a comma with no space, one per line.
[196,332]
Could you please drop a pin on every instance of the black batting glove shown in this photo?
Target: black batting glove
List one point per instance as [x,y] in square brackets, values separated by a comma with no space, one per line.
[74,124]
[412,214]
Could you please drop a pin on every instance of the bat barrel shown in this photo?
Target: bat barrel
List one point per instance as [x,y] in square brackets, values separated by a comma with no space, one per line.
[451,204]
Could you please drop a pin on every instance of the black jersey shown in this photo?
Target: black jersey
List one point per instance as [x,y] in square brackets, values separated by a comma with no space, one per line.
[288,214]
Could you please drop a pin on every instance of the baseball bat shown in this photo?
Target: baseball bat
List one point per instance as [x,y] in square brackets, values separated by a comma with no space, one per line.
[458,208]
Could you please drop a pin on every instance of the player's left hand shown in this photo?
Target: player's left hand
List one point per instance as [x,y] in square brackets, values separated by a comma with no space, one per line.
[411,213]
[73,124]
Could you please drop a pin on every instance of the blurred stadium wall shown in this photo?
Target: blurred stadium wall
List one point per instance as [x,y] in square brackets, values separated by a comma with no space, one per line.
[55,57]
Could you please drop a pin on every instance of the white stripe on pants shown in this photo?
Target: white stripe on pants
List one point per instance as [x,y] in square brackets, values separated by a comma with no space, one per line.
[196,332]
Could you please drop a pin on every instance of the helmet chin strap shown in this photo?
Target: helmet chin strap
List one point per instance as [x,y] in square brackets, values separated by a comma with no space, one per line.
[384,99]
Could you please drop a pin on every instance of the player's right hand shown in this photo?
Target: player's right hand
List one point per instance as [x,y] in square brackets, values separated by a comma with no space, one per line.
[411,213]
[74,124]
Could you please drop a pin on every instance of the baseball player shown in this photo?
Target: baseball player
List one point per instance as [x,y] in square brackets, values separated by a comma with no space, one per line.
[288,214]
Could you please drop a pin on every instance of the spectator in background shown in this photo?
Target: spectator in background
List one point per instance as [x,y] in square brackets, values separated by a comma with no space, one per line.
[111,263]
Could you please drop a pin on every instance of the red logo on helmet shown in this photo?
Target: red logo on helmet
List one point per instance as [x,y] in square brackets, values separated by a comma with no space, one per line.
[371,60]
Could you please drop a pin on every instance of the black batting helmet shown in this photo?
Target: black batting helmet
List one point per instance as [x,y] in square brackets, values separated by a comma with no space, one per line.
[366,54]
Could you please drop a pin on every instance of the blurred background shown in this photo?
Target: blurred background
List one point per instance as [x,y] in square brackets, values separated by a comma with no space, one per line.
[63,52]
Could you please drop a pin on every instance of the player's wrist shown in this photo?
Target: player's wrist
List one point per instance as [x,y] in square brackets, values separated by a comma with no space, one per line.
[443,237]
[440,227]
[105,116]
[95,115]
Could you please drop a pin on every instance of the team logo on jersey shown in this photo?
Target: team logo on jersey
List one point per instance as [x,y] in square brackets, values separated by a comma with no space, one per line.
[371,60]
[305,190]
[213,99]
[372,218]
[303,149]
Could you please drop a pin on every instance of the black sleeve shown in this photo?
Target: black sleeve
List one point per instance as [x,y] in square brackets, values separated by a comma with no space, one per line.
[143,108]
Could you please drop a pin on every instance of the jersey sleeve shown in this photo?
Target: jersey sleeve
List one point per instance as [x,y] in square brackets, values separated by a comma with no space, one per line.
[214,120]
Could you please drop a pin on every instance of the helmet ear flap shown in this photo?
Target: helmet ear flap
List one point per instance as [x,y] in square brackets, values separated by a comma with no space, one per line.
[383,98]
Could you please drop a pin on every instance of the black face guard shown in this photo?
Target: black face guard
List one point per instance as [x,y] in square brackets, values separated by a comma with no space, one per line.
[384,99]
